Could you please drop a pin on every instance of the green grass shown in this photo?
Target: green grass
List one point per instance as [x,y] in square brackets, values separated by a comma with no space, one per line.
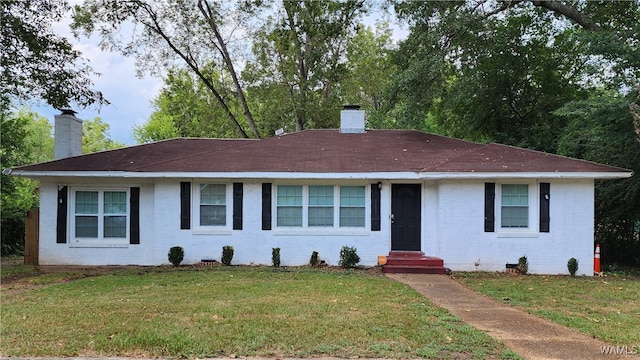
[17,270]
[211,312]
[607,308]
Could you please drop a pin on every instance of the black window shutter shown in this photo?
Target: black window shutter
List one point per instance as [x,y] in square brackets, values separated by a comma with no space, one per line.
[237,206]
[185,205]
[375,207]
[134,222]
[61,226]
[489,206]
[266,206]
[544,207]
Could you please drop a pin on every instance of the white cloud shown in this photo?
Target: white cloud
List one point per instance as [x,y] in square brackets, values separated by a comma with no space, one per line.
[130,96]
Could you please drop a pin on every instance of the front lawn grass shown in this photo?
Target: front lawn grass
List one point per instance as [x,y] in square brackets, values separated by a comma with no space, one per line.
[235,311]
[605,307]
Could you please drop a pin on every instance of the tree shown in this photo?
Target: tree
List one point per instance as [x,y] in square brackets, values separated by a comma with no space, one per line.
[35,62]
[184,109]
[370,71]
[17,195]
[172,33]
[599,130]
[95,136]
[495,71]
[300,57]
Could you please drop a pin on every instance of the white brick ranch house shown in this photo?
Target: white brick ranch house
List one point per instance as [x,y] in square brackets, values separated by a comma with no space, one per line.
[475,206]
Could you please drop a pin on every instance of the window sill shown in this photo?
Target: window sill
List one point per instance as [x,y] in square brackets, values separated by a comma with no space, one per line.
[99,245]
[224,231]
[321,232]
[517,235]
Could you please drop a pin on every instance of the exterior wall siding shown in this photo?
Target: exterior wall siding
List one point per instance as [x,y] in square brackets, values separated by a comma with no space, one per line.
[461,241]
[452,229]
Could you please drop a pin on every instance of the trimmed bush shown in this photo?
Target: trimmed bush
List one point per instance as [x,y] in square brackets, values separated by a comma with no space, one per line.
[314,259]
[275,257]
[348,257]
[176,255]
[523,265]
[227,254]
[572,265]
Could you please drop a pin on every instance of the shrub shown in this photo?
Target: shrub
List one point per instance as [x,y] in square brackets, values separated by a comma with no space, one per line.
[348,257]
[314,259]
[572,265]
[176,254]
[275,257]
[523,265]
[227,254]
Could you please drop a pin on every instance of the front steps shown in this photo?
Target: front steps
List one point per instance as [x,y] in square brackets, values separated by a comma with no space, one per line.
[414,262]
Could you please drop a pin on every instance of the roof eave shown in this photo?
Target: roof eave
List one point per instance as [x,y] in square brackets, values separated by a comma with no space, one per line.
[605,175]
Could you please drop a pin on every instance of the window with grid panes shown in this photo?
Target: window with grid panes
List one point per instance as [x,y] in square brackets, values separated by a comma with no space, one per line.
[515,206]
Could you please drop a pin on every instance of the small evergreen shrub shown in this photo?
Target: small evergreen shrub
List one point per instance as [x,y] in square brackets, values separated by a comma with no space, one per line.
[275,257]
[523,265]
[572,265]
[227,254]
[314,259]
[176,255]
[348,257]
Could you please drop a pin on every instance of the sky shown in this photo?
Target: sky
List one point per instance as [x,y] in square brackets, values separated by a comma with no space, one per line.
[130,97]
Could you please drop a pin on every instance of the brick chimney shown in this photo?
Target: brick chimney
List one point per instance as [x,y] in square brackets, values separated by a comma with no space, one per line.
[68,135]
[351,119]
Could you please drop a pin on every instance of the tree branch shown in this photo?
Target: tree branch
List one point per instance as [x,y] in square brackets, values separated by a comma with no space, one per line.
[206,11]
[567,11]
[156,28]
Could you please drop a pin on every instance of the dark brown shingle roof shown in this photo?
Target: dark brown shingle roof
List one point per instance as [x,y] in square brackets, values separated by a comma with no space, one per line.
[323,151]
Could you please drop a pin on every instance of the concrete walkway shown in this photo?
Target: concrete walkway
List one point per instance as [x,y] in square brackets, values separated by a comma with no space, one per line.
[529,336]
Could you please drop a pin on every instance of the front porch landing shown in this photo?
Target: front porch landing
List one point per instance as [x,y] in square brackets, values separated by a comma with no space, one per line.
[414,262]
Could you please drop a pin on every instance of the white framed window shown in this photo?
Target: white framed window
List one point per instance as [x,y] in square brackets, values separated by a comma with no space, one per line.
[514,206]
[314,206]
[289,205]
[321,206]
[211,206]
[352,206]
[100,216]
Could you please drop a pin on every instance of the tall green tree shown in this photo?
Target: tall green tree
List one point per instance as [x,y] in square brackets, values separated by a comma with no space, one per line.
[20,144]
[496,70]
[177,33]
[370,71]
[599,129]
[96,137]
[38,64]
[300,58]
[184,108]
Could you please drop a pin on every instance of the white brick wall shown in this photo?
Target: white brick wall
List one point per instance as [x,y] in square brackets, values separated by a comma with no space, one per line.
[452,228]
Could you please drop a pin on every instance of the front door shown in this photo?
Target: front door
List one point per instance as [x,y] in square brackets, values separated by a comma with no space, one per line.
[405,217]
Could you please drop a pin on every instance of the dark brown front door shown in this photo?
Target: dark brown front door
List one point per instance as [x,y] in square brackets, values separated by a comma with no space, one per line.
[405,217]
